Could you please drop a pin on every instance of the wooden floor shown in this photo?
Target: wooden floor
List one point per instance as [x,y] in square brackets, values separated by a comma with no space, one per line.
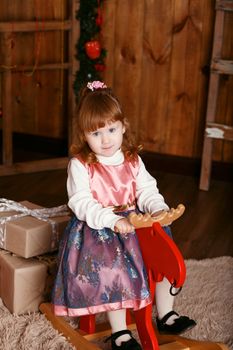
[204,231]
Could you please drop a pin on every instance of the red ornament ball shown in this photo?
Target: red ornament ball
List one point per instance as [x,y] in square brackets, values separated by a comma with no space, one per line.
[93,49]
[100,67]
[99,18]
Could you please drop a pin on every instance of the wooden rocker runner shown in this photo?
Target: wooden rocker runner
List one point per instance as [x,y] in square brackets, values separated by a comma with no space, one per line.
[162,258]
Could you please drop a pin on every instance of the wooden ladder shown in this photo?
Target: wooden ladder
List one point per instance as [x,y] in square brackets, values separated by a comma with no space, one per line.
[219,66]
[7,29]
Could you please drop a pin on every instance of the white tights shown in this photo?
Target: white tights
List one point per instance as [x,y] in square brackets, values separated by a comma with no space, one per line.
[164,303]
[164,300]
[117,320]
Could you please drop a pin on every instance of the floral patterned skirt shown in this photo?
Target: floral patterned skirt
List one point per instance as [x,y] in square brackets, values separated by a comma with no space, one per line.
[99,270]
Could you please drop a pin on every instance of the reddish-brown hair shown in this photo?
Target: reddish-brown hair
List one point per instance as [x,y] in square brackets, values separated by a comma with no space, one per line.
[94,110]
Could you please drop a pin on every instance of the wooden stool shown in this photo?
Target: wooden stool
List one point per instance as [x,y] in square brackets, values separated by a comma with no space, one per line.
[219,66]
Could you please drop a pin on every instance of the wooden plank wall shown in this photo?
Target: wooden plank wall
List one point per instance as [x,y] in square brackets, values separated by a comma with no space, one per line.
[157,62]
[38,99]
[158,52]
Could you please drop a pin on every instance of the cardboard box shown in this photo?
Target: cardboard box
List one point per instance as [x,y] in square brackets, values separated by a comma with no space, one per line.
[29,236]
[25,283]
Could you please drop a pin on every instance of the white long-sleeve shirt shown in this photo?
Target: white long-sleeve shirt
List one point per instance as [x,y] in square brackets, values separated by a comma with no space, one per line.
[87,208]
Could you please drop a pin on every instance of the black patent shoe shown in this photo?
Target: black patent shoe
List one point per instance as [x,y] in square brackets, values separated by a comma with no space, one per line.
[130,344]
[181,324]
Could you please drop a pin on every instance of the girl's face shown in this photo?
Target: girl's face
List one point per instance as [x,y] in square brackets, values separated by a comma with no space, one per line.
[107,140]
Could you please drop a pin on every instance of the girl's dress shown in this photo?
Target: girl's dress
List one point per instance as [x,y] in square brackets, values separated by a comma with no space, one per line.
[100,270]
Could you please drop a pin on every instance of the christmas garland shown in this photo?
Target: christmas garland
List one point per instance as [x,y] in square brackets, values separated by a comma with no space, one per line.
[90,53]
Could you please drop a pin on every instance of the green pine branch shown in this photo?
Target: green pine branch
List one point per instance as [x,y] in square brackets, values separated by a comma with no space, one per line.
[89,30]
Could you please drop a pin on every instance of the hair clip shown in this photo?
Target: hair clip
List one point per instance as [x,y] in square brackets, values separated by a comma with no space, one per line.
[94,85]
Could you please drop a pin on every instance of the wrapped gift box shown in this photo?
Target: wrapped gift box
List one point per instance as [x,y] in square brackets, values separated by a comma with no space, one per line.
[25,283]
[28,236]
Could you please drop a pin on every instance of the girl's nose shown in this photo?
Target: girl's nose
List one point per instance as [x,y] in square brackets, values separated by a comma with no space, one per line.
[105,138]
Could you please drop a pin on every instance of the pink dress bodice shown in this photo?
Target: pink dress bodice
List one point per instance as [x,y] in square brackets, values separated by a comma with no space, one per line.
[114,185]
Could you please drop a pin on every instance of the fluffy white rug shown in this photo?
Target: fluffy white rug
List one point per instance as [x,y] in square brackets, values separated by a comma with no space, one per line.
[207,297]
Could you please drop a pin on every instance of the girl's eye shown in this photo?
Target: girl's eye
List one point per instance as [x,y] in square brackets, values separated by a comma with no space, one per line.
[112,130]
[95,133]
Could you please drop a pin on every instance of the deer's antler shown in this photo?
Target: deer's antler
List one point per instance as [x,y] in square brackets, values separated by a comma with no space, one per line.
[165,218]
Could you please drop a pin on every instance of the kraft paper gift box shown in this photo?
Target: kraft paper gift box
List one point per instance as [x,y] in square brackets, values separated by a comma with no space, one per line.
[25,283]
[28,236]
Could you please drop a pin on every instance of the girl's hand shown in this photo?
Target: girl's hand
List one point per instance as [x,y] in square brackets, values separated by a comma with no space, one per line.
[123,226]
[157,213]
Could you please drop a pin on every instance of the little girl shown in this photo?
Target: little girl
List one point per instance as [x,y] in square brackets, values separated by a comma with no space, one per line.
[101,267]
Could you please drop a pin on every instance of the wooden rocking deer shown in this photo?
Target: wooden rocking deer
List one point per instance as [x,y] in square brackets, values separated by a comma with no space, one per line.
[162,259]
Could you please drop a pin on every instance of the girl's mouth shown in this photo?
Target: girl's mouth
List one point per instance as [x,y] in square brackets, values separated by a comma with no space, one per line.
[106,148]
